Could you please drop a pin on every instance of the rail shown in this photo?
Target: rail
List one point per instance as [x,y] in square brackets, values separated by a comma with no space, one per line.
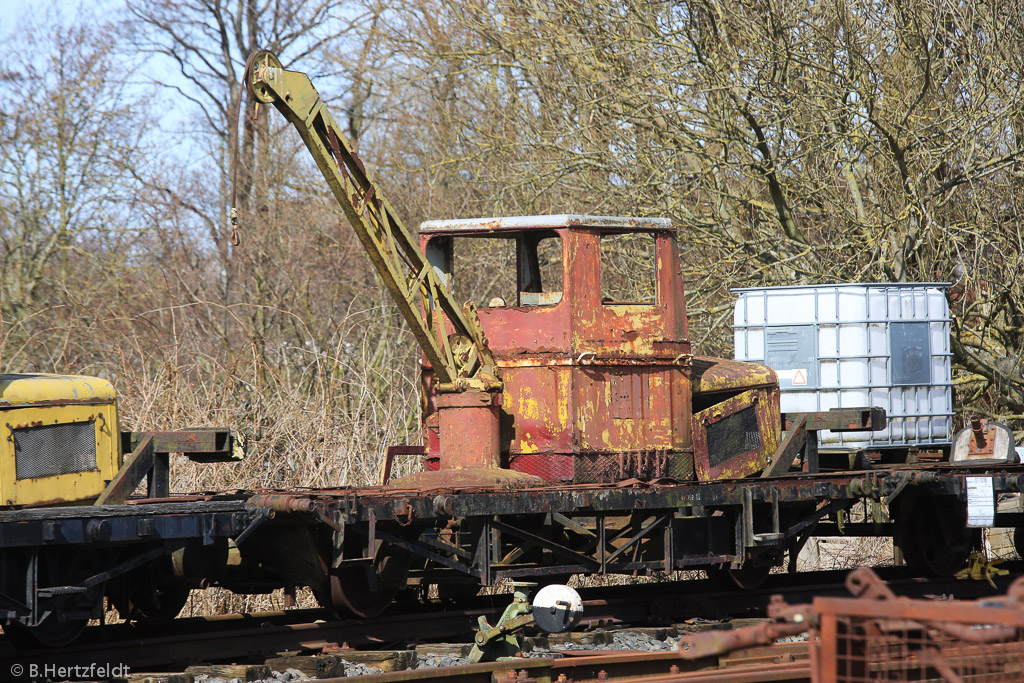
[257,637]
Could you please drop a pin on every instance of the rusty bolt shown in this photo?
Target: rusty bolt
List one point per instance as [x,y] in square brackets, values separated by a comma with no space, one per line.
[602,675]
[674,669]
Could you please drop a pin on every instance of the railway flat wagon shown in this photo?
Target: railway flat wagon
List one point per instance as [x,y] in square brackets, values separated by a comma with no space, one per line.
[568,428]
[68,536]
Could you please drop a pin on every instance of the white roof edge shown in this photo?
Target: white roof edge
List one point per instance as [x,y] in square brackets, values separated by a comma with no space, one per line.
[549,221]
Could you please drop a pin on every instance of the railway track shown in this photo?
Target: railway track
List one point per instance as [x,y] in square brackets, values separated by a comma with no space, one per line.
[258,637]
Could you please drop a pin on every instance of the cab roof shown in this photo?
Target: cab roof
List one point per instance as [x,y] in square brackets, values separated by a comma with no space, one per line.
[564,220]
[28,389]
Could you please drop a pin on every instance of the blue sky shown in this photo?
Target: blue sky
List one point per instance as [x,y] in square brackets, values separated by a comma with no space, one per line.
[11,10]
[174,115]
[171,113]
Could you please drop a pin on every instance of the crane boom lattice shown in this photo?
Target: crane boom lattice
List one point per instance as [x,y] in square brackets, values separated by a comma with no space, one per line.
[461,360]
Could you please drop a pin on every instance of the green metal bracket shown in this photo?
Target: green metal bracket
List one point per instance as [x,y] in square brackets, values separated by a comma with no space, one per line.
[492,643]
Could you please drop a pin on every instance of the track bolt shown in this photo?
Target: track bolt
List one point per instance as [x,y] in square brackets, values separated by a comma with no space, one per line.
[674,669]
[602,675]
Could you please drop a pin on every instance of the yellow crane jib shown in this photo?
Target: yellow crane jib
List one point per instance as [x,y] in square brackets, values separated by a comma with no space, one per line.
[469,392]
[462,360]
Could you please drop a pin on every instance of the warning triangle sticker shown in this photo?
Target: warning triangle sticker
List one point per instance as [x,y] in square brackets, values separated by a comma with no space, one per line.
[799,377]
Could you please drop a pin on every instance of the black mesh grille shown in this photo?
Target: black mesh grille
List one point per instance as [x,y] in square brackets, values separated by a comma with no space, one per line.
[54,449]
[735,434]
[606,468]
[597,469]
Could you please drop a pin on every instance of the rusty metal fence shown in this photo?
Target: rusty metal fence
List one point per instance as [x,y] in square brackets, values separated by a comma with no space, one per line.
[878,636]
[917,640]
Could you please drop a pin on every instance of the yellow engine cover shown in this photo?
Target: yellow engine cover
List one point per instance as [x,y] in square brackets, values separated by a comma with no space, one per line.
[61,442]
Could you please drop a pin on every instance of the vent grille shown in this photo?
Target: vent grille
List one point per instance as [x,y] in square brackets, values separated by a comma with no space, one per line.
[736,434]
[49,450]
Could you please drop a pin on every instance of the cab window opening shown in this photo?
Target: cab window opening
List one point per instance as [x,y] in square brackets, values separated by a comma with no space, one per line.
[514,270]
[628,268]
[540,268]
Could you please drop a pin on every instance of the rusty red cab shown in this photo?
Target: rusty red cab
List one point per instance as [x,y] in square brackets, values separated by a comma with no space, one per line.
[590,337]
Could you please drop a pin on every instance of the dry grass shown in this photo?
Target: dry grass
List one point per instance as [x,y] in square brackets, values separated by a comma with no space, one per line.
[317,419]
[312,416]
[845,553]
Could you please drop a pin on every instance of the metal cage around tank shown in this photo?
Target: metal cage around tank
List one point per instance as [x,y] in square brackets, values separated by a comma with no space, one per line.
[841,345]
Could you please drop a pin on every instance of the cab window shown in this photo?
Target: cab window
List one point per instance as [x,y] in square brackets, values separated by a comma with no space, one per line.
[628,268]
[503,271]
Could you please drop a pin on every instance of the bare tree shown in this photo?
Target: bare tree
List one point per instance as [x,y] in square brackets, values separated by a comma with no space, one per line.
[72,143]
[793,143]
[281,302]
[206,45]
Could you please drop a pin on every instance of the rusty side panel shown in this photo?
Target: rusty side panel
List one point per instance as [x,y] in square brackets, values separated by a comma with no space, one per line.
[537,412]
[631,390]
[747,437]
[527,330]
[631,409]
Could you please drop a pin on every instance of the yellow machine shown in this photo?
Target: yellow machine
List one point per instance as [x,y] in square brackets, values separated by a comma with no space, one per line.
[61,442]
[62,446]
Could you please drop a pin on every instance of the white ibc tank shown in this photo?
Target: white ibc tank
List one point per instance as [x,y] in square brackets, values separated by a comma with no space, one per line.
[846,346]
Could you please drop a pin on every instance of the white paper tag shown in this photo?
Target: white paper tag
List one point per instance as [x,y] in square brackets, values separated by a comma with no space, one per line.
[981,502]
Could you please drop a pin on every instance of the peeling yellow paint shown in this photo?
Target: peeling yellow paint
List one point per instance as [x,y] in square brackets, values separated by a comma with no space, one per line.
[529,408]
[69,487]
[714,374]
[525,445]
[564,388]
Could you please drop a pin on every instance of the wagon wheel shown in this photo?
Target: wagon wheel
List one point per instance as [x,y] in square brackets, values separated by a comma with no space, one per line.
[367,591]
[934,539]
[153,596]
[158,602]
[747,577]
[52,632]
